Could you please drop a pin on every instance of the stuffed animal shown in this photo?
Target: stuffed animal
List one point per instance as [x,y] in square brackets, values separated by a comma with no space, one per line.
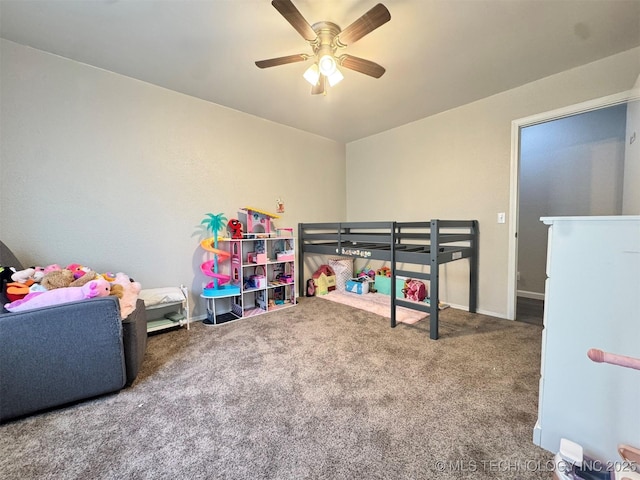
[414,290]
[95,288]
[21,276]
[108,276]
[85,278]
[116,290]
[38,274]
[235,228]
[6,273]
[384,271]
[65,278]
[77,270]
[130,291]
[16,290]
[52,268]
[5,278]
[23,282]
[57,279]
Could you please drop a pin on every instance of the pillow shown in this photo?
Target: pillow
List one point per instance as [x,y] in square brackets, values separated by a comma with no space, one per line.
[159,296]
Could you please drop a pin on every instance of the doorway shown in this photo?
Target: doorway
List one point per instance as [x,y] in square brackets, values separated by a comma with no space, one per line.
[564,163]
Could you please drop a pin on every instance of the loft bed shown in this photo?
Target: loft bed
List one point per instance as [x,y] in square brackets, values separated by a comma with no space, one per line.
[429,244]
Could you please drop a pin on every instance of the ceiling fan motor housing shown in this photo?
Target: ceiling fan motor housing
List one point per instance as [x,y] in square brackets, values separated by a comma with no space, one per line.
[324,46]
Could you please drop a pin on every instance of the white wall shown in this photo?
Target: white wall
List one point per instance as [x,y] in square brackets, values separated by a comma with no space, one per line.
[116,174]
[631,197]
[456,165]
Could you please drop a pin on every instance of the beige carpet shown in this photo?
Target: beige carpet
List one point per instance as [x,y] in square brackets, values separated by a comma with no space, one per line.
[375,303]
[321,391]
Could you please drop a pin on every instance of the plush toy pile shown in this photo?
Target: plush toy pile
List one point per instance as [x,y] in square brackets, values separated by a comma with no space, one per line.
[37,287]
[95,288]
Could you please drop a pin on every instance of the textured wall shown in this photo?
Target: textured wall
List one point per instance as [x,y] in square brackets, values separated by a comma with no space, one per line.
[116,174]
[457,165]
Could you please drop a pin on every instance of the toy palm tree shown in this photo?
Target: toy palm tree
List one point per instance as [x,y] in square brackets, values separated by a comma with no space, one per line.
[213,223]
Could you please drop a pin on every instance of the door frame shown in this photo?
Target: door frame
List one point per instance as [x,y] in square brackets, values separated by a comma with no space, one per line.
[516,126]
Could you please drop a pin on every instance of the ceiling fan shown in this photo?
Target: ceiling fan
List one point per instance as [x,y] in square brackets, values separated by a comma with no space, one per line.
[325,39]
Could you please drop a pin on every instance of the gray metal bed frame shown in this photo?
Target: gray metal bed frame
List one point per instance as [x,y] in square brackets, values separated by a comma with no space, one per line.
[422,243]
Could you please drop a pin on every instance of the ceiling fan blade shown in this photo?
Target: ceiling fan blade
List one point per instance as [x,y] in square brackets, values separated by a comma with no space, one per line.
[274,62]
[367,23]
[295,18]
[361,65]
[318,87]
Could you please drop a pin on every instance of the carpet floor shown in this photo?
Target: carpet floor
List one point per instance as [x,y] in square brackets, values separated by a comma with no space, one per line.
[319,391]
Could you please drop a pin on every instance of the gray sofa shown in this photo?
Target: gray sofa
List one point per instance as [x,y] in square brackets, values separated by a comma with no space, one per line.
[65,353]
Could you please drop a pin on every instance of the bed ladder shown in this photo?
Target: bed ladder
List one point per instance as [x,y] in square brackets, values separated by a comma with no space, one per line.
[433,276]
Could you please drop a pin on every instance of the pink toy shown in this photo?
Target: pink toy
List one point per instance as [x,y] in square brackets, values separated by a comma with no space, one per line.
[414,290]
[599,356]
[52,268]
[95,288]
[129,295]
[77,270]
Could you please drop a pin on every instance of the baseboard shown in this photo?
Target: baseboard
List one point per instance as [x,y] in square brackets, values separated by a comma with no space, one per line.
[479,310]
[533,295]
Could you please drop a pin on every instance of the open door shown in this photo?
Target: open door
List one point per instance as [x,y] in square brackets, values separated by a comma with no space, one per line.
[579,160]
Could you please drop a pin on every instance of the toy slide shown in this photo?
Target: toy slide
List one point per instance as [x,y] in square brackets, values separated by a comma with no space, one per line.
[207,267]
[207,244]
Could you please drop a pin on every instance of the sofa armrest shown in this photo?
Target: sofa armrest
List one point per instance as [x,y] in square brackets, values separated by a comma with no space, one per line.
[134,337]
[60,354]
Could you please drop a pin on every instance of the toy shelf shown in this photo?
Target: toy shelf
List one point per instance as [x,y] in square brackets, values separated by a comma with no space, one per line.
[261,272]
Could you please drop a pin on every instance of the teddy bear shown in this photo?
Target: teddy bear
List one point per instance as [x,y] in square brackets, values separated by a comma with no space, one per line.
[95,288]
[66,278]
[57,279]
[130,291]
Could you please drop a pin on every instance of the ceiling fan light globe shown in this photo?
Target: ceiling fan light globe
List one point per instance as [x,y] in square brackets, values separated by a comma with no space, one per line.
[312,74]
[335,78]
[327,65]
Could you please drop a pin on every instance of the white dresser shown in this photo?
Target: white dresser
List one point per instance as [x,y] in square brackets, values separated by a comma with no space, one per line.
[592,300]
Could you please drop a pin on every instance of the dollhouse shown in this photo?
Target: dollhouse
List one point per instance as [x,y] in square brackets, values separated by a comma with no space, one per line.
[258,221]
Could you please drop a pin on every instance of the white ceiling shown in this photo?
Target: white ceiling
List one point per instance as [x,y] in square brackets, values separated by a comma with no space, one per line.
[438,54]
